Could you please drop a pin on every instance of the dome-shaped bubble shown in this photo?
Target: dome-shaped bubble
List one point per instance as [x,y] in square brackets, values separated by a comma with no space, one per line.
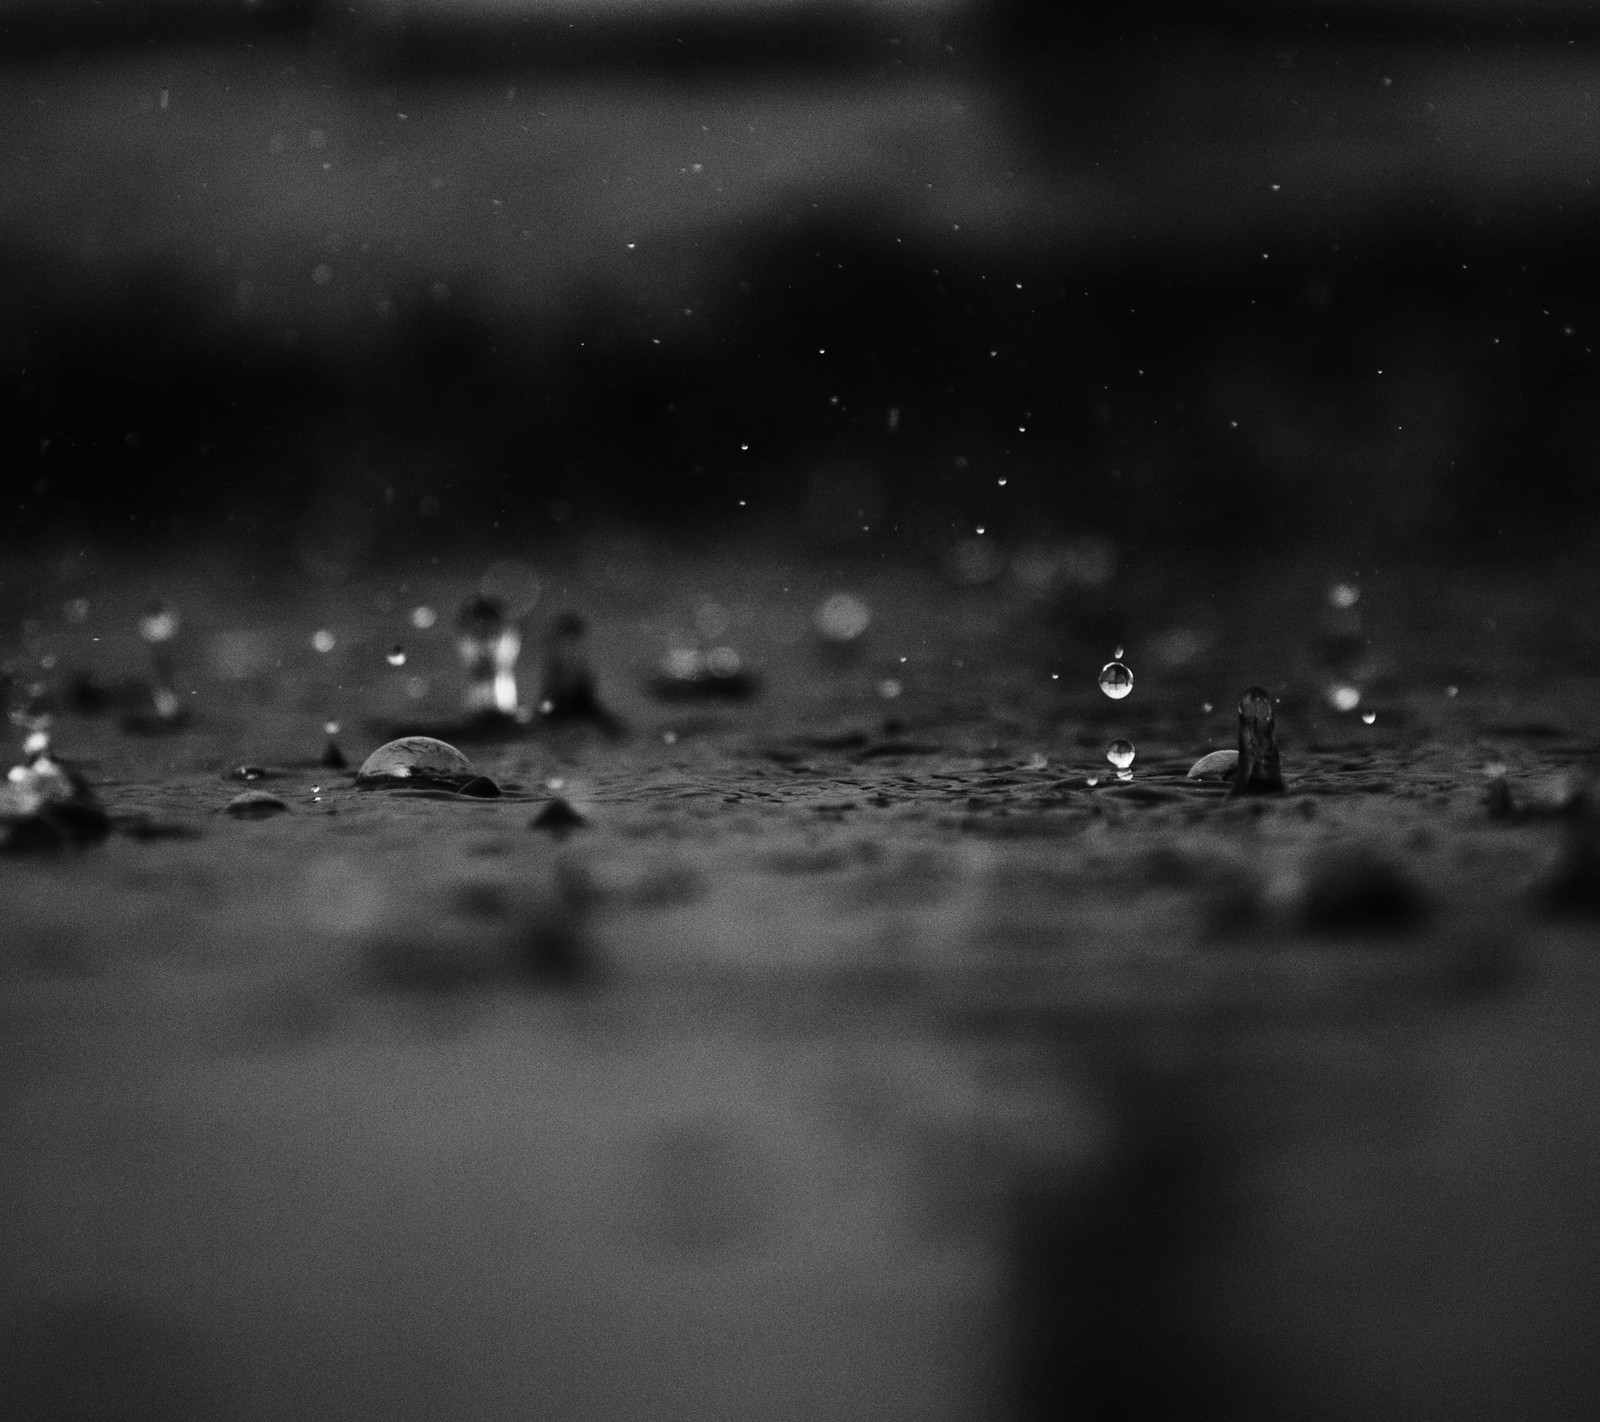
[416,760]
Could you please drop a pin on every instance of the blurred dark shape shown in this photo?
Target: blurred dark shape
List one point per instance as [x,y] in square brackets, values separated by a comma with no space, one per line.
[1499,801]
[1107,1271]
[1355,889]
[558,817]
[568,688]
[1574,885]
[480,787]
[1258,771]
[94,1359]
[332,758]
[553,943]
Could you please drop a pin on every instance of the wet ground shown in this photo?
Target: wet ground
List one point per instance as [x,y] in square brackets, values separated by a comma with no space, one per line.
[856,1056]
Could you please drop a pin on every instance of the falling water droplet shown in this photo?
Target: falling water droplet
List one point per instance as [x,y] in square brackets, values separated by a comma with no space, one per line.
[422,618]
[396,656]
[323,640]
[843,617]
[1343,697]
[159,622]
[1120,754]
[1369,716]
[1116,656]
[1116,680]
[1344,595]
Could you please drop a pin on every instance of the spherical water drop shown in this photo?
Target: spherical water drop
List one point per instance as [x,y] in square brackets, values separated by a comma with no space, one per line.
[1343,697]
[396,656]
[159,622]
[843,617]
[323,640]
[415,760]
[1344,595]
[1115,680]
[1120,754]
[422,618]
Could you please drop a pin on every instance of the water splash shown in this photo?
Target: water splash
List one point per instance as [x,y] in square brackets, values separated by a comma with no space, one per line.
[489,645]
[1120,753]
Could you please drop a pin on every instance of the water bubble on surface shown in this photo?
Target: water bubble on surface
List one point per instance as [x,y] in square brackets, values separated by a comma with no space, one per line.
[843,617]
[1116,680]
[1344,595]
[1120,753]
[416,760]
[323,640]
[396,656]
[1344,697]
[423,617]
[255,805]
[513,585]
[1369,716]
[159,622]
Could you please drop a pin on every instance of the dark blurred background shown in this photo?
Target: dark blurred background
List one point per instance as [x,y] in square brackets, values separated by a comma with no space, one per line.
[356,278]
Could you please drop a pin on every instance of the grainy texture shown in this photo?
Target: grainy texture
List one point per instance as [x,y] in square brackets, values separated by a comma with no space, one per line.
[828,1068]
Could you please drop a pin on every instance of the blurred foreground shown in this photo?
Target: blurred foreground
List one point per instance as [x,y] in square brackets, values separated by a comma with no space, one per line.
[868,1051]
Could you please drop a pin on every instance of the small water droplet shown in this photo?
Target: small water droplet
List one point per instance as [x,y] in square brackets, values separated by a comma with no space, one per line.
[1120,754]
[1206,708]
[423,617]
[889,688]
[1369,716]
[36,745]
[323,640]
[1343,697]
[669,738]
[1452,691]
[330,728]
[159,622]
[843,617]
[1116,656]
[396,656]
[1116,680]
[1344,595]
